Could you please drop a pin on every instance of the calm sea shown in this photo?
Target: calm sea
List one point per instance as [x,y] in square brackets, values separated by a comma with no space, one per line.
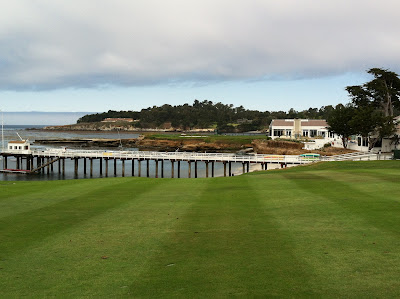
[33,132]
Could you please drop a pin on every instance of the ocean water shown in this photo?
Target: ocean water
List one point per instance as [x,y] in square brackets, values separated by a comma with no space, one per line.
[26,132]
[29,132]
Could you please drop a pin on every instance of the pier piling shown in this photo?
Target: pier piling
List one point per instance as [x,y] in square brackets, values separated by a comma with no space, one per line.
[45,162]
[76,166]
[91,166]
[101,166]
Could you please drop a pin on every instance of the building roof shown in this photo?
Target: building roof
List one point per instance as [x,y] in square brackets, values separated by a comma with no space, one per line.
[110,119]
[18,141]
[304,123]
[314,123]
[282,122]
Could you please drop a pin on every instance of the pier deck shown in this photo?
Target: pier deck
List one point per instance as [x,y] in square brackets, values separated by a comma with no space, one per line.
[46,158]
[177,156]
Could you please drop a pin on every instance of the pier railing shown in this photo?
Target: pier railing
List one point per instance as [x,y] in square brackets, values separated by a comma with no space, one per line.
[178,156]
[194,156]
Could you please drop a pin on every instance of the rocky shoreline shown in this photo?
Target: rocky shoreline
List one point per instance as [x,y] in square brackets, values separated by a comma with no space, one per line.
[193,145]
[109,127]
[148,144]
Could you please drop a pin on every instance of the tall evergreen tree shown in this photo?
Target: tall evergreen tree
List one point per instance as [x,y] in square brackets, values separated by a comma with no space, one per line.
[340,122]
[375,103]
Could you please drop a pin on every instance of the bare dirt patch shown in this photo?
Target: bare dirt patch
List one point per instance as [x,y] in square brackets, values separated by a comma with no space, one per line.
[292,148]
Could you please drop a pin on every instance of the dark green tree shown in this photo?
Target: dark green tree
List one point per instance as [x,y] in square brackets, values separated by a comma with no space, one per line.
[383,91]
[365,120]
[340,122]
[375,103]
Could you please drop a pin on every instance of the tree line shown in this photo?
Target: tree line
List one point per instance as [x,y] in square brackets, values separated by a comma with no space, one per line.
[370,113]
[206,114]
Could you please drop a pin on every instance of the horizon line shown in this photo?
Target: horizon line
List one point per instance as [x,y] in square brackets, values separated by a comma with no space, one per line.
[50,112]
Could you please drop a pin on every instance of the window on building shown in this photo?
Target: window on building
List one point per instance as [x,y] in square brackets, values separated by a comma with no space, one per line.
[365,141]
[331,134]
[278,132]
[321,133]
[313,133]
[26,147]
[289,133]
[378,143]
[10,147]
[359,141]
[305,133]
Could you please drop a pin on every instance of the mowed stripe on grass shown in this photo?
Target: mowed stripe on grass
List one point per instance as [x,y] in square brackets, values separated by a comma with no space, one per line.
[321,230]
[345,229]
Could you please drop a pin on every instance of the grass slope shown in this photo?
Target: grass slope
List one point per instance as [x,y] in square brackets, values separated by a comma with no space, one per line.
[228,139]
[326,230]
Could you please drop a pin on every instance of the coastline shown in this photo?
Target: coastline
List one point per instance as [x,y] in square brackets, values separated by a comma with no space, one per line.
[142,143]
[196,143]
[108,127]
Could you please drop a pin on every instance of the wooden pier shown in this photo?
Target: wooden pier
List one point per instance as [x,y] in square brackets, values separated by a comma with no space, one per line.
[43,162]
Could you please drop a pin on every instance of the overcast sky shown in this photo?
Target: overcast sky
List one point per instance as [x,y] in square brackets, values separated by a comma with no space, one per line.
[126,55]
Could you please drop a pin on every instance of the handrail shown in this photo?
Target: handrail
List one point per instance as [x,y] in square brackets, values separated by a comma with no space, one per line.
[178,156]
[191,156]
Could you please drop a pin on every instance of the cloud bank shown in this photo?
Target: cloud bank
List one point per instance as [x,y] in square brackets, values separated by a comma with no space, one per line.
[47,44]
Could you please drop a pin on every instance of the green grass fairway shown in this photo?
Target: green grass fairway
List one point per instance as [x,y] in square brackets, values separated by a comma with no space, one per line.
[325,230]
[228,139]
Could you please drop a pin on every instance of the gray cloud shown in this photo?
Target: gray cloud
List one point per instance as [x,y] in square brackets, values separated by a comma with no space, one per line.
[47,44]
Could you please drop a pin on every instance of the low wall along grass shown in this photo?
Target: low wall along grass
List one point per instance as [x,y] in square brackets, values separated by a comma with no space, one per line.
[324,230]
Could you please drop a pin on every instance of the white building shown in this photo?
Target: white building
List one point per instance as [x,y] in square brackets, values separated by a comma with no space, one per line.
[316,135]
[314,131]
[19,147]
[359,143]
[298,128]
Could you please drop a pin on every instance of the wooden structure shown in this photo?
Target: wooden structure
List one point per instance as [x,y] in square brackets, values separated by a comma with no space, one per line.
[42,161]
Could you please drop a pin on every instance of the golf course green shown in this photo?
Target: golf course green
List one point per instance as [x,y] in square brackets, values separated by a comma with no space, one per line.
[324,230]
